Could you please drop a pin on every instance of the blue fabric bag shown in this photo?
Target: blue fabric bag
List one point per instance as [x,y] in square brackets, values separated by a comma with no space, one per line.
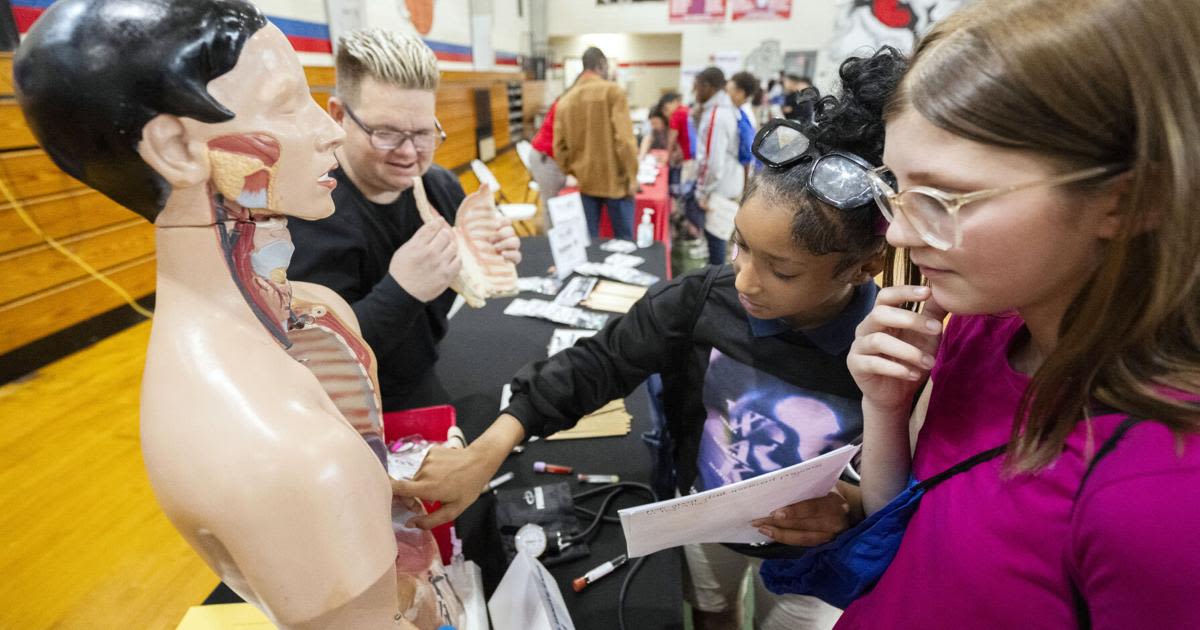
[843,569]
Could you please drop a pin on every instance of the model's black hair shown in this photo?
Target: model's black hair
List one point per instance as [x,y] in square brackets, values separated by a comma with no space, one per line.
[851,122]
[90,74]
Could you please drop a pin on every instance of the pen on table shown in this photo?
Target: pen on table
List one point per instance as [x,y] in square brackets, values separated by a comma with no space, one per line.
[498,481]
[555,469]
[595,574]
[598,478]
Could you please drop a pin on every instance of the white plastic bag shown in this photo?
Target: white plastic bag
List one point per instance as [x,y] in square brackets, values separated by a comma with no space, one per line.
[528,599]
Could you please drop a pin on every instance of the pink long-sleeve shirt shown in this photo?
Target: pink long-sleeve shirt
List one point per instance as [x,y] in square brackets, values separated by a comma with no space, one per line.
[989,551]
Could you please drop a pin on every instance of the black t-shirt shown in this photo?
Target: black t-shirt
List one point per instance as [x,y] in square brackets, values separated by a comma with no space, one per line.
[349,252]
[741,396]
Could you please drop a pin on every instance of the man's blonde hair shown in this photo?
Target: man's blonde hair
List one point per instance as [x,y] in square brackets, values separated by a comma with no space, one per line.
[403,61]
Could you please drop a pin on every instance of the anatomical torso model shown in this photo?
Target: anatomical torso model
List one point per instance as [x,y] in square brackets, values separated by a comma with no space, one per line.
[261,424]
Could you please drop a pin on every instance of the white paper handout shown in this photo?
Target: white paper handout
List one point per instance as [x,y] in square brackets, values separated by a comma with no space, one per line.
[724,514]
[628,275]
[619,246]
[718,221]
[568,210]
[568,247]
[565,338]
[624,260]
[576,291]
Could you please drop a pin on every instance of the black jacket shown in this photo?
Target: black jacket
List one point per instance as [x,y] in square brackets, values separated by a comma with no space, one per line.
[349,252]
[715,370]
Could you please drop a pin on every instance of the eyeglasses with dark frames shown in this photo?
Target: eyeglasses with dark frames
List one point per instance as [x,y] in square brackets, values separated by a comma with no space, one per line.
[425,141]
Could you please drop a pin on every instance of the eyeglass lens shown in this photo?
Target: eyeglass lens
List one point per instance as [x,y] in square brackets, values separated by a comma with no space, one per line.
[783,144]
[927,214]
[423,141]
[842,181]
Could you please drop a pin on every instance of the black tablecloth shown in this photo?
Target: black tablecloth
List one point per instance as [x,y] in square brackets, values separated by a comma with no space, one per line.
[479,356]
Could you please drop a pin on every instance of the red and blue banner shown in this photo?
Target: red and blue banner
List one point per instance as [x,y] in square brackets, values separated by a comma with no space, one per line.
[26,11]
[312,37]
[305,36]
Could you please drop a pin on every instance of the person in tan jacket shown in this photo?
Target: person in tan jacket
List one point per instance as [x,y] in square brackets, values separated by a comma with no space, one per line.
[593,141]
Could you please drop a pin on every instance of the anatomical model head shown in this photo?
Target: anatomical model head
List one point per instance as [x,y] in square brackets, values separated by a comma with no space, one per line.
[141,98]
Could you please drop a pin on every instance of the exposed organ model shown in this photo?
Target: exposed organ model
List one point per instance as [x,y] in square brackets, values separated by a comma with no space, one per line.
[485,273]
[260,420]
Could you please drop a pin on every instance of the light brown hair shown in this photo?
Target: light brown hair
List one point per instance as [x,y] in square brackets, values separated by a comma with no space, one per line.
[396,59]
[1084,83]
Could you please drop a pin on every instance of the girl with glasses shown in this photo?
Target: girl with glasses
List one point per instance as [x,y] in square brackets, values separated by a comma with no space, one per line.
[1040,170]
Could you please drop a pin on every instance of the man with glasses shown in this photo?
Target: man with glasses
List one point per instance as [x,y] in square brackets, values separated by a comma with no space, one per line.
[375,251]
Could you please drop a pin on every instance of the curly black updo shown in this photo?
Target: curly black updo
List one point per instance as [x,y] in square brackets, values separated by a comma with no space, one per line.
[851,122]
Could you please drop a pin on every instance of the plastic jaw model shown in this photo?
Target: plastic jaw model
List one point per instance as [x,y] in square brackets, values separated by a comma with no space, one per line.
[261,425]
[485,273]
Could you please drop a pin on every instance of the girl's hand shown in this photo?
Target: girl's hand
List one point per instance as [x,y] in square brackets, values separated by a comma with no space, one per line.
[894,348]
[807,523]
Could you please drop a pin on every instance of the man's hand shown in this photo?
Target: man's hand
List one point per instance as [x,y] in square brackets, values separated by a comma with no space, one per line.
[507,242]
[457,476]
[427,264]
[808,523]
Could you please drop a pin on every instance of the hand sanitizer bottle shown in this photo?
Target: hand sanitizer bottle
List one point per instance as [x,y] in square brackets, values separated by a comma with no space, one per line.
[645,231]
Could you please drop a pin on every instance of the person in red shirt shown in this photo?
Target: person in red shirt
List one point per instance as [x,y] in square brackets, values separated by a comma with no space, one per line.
[546,172]
[679,140]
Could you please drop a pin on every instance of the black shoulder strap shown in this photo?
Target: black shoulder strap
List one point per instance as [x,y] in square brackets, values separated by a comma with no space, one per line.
[962,467]
[1082,613]
[1107,447]
[710,277]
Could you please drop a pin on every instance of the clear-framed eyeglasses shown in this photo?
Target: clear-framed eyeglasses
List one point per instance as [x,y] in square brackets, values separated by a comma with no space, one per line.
[836,178]
[934,213]
[425,141]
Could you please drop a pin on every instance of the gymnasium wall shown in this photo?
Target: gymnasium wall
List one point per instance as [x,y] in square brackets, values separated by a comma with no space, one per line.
[42,293]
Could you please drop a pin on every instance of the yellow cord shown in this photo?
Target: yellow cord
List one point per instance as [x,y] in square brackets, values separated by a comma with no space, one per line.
[71,255]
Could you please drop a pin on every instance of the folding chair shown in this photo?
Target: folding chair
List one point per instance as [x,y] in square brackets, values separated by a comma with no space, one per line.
[514,211]
[525,151]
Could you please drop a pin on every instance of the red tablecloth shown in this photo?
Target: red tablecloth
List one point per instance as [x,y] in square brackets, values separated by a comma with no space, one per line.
[657,197]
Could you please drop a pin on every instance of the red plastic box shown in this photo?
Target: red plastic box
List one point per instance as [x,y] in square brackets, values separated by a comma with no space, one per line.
[431,423]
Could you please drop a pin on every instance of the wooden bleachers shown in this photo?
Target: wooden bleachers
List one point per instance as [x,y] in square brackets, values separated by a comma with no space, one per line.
[42,292]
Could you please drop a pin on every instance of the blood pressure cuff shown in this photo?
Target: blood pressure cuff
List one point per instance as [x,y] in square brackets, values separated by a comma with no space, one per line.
[549,506]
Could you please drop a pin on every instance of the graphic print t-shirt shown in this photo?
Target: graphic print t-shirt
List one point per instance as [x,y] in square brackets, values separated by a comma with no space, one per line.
[757,423]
